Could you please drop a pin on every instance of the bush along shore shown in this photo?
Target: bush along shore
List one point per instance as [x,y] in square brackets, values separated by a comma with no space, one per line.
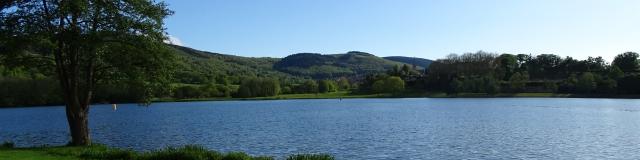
[102,152]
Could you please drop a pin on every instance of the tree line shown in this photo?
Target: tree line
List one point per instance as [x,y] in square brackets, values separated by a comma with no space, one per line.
[483,72]
[478,72]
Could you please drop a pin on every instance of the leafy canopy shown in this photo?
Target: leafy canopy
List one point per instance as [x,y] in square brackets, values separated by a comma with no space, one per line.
[88,41]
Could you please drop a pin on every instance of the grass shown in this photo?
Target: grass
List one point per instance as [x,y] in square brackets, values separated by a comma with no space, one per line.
[101,152]
[485,95]
[407,94]
[330,95]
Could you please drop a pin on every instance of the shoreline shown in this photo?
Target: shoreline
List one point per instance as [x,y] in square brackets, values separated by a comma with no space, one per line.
[421,95]
[349,95]
[103,152]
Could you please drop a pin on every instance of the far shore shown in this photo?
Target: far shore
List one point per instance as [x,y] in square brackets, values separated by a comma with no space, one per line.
[350,95]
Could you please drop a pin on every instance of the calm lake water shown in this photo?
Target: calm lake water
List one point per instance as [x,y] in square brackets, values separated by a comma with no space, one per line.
[461,128]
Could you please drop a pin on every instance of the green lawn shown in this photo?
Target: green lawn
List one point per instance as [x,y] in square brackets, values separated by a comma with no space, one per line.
[30,155]
[331,95]
[408,94]
[40,153]
[101,152]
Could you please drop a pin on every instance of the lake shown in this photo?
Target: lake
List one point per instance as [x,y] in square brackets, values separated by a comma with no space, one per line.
[415,128]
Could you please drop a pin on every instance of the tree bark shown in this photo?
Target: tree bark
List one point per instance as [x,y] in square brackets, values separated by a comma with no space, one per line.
[78,119]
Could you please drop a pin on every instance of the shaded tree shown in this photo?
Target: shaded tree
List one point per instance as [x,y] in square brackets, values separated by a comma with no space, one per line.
[259,87]
[390,84]
[456,86]
[518,81]
[88,42]
[607,85]
[394,84]
[615,72]
[627,62]
[544,66]
[343,84]
[586,83]
[308,86]
[629,84]
[327,86]
[507,65]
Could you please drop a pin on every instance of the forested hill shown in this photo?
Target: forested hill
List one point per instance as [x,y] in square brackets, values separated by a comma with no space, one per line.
[197,67]
[421,62]
[319,66]
[197,64]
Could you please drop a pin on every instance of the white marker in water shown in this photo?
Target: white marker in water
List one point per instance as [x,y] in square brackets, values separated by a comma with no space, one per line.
[114,106]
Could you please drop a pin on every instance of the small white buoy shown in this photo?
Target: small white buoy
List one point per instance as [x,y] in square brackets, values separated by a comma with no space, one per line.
[114,106]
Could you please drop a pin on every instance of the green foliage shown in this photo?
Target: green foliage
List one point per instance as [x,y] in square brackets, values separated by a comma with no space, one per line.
[122,92]
[485,72]
[188,91]
[607,85]
[27,92]
[615,72]
[100,49]
[101,152]
[518,81]
[309,86]
[394,84]
[484,84]
[390,84]
[491,85]
[463,65]
[327,86]
[343,84]
[544,65]
[586,83]
[507,65]
[627,62]
[456,86]
[329,66]
[188,152]
[378,86]
[310,157]
[7,144]
[629,84]
[421,62]
[551,87]
[201,67]
[259,87]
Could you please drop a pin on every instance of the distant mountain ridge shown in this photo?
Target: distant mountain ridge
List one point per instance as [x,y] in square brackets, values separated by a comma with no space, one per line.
[309,65]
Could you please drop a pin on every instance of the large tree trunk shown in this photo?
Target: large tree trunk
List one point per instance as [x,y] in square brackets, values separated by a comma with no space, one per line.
[78,125]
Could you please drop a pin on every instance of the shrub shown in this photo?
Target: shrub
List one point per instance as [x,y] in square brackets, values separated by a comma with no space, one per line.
[187,91]
[586,83]
[189,152]
[259,87]
[108,153]
[236,156]
[7,144]
[327,86]
[388,85]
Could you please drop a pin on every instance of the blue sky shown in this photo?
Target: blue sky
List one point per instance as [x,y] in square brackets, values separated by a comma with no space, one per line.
[417,28]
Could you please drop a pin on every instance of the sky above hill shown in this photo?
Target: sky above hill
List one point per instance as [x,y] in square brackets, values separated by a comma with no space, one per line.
[416,28]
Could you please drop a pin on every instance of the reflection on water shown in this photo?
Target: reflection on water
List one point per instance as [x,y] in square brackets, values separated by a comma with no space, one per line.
[495,128]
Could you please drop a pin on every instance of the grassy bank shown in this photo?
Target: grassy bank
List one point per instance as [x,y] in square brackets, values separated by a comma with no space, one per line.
[347,94]
[101,152]
[331,95]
